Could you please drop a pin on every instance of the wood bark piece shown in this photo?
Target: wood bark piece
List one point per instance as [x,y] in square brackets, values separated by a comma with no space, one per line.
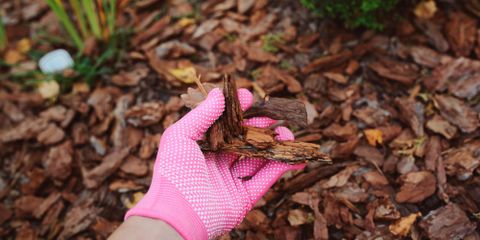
[228,133]
[260,144]
[229,125]
[291,110]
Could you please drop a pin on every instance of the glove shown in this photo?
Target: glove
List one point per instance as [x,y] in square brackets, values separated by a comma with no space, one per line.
[201,195]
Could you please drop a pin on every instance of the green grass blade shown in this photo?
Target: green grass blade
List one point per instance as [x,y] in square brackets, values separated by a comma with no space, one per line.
[82,22]
[66,22]
[3,35]
[111,15]
[91,12]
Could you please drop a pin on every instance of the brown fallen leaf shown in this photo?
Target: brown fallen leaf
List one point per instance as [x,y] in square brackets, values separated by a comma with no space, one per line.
[447,222]
[457,112]
[416,187]
[5,214]
[402,227]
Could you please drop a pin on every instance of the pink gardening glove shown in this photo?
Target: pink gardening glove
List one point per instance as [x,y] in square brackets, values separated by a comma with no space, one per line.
[205,196]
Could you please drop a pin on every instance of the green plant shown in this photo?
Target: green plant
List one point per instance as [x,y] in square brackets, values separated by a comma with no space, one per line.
[270,40]
[59,10]
[100,16]
[354,13]
[89,18]
[3,35]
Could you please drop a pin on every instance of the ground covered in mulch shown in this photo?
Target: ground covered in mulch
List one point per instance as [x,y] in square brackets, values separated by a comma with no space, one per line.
[398,112]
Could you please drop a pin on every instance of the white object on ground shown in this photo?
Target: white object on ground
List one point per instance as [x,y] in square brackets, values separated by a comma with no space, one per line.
[55,61]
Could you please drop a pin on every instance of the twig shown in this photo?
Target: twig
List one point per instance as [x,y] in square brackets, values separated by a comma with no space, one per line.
[200,85]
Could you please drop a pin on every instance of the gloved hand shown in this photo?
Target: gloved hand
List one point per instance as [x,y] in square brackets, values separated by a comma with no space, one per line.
[205,196]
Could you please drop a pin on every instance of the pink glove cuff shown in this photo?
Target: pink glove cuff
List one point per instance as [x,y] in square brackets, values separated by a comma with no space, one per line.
[166,203]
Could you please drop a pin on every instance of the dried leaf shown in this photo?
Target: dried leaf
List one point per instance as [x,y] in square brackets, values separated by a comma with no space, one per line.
[402,227]
[136,197]
[194,96]
[186,75]
[373,136]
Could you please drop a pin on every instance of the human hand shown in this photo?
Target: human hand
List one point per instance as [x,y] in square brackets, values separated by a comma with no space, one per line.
[206,195]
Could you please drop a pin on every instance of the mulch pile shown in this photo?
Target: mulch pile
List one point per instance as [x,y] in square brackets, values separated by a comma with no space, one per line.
[398,112]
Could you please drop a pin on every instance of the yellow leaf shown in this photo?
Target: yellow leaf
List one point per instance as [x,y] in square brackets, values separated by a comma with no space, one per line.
[186,75]
[403,225]
[13,57]
[425,9]
[184,22]
[48,89]
[136,198]
[374,136]
[24,45]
